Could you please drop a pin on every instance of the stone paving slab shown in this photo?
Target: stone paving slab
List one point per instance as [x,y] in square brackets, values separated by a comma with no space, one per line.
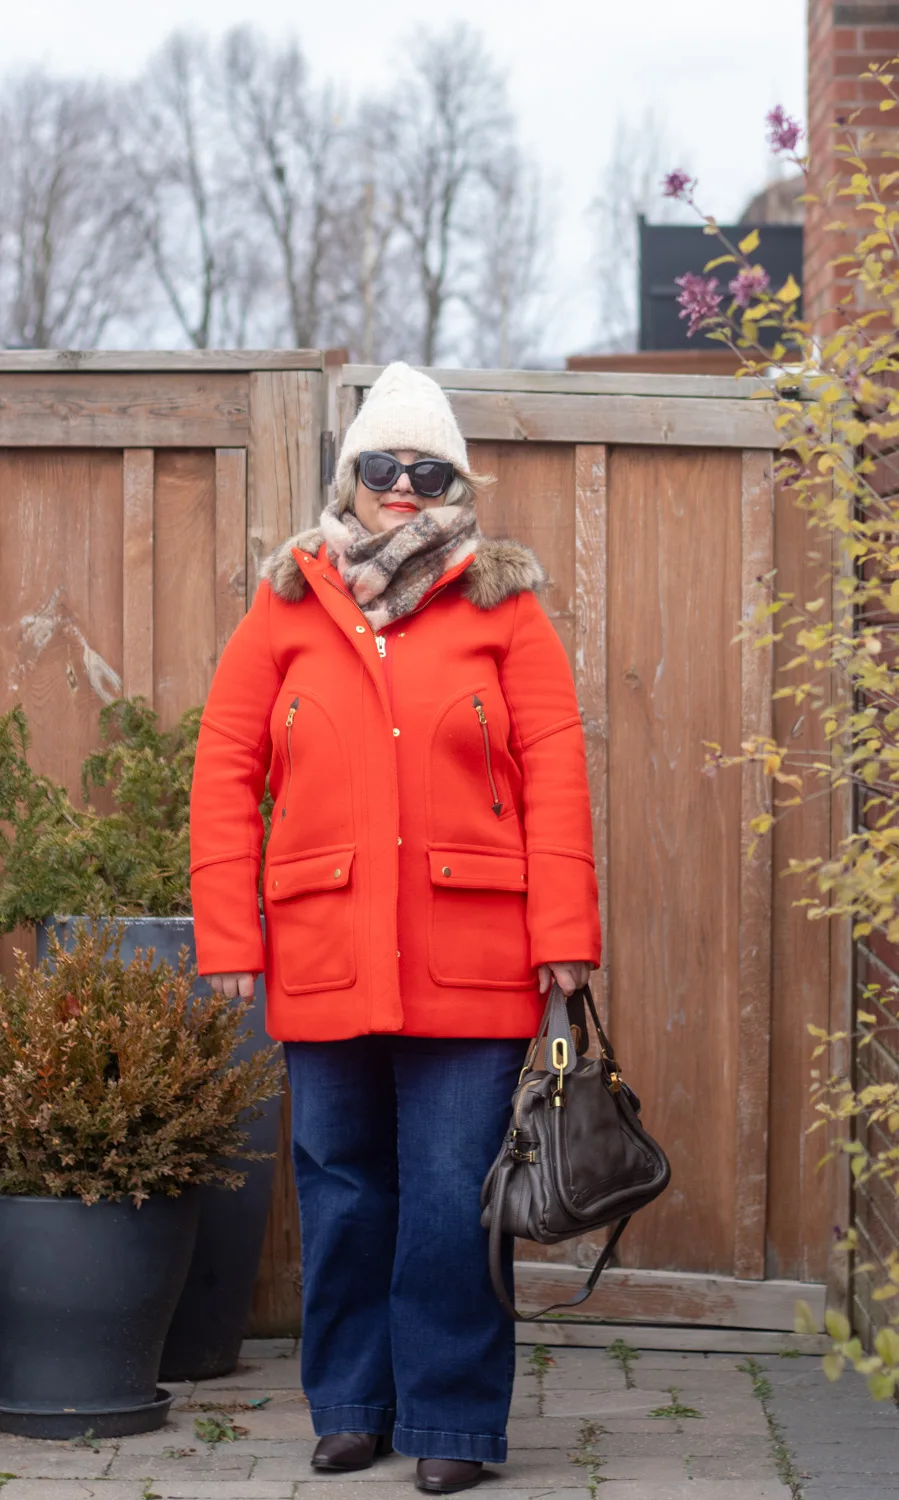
[841,1440]
[70,1489]
[725,1453]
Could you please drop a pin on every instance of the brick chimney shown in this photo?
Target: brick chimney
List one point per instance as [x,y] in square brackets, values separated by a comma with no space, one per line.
[843,38]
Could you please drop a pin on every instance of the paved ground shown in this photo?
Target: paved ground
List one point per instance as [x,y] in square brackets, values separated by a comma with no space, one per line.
[585,1426]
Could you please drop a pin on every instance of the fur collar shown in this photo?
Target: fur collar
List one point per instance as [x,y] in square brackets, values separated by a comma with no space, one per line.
[499,570]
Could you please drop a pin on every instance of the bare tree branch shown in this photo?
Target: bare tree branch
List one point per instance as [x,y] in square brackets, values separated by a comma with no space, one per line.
[631,185]
[67,225]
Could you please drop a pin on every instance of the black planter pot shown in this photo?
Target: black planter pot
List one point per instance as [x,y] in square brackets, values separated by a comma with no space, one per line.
[86,1296]
[211,1316]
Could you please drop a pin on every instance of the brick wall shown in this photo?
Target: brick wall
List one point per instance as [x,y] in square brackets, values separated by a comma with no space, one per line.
[843,39]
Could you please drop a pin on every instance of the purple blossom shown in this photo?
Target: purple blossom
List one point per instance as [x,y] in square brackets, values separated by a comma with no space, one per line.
[678,184]
[752,281]
[699,299]
[783,133]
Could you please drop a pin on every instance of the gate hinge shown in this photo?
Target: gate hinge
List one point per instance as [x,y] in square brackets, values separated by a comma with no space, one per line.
[327,458]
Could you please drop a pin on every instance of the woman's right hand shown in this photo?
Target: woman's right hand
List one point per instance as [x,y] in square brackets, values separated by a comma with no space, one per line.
[233,985]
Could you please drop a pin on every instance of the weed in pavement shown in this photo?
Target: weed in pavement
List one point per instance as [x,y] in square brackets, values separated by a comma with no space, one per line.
[587,1457]
[218,1427]
[625,1356]
[783,1458]
[675,1409]
[540,1360]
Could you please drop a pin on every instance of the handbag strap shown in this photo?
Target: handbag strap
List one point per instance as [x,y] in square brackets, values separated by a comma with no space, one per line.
[506,1168]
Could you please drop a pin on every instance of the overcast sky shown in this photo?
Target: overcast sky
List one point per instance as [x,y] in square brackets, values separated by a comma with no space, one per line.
[573,67]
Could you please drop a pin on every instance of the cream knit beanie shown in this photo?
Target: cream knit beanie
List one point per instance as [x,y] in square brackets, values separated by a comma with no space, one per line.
[403,409]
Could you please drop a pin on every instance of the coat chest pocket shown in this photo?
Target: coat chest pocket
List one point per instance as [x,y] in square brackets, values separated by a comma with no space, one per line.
[477,930]
[310,902]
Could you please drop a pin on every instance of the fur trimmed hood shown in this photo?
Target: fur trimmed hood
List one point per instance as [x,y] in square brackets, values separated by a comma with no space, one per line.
[498,570]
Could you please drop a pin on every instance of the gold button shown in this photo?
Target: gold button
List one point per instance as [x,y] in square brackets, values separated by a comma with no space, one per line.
[399,841]
[274,885]
[402,633]
[336,874]
[360,629]
[446,870]
[395,733]
[398,953]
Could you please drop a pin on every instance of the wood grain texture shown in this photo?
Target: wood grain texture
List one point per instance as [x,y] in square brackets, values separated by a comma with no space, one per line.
[115,411]
[284,493]
[574,382]
[61,570]
[754,990]
[799,1214]
[661,1297]
[138,475]
[137,361]
[674,834]
[184,592]
[533,501]
[277,1296]
[651,421]
[591,667]
[230,543]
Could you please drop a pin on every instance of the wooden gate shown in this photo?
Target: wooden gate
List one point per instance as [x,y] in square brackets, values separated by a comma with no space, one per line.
[651,501]
[138,494]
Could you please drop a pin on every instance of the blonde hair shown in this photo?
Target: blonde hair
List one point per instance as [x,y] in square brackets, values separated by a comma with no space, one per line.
[463,490]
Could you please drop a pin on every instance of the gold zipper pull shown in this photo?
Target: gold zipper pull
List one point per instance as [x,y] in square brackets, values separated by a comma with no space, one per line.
[293,708]
[381,643]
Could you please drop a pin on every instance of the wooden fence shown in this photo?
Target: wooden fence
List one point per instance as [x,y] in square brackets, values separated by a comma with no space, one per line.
[138,495]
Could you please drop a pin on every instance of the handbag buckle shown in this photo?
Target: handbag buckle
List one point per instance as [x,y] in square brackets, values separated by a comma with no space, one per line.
[560,1063]
[516,1153]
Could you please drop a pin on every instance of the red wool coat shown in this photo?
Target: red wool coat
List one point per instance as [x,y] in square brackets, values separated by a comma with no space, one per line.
[431,838]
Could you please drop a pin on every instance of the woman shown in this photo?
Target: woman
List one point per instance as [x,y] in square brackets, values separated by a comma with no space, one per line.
[429,869]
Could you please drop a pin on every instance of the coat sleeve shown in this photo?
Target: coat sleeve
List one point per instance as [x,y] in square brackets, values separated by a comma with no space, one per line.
[548,744]
[233,755]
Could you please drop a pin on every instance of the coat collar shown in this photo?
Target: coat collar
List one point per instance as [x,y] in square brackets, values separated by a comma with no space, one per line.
[498,570]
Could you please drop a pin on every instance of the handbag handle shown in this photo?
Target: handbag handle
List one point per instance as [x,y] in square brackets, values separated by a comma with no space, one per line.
[503,1175]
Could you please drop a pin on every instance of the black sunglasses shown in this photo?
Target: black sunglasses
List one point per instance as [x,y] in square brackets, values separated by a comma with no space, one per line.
[429,477]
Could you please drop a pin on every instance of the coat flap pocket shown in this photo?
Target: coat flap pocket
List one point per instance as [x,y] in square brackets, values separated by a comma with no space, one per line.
[479,869]
[322,870]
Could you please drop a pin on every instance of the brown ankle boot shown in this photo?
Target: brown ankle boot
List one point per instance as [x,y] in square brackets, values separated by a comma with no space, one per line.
[342,1452]
[444,1476]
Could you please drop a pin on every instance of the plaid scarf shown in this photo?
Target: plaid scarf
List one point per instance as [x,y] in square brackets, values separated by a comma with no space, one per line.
[389,572]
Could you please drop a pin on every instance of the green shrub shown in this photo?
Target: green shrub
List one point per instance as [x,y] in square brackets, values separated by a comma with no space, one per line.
[57,859]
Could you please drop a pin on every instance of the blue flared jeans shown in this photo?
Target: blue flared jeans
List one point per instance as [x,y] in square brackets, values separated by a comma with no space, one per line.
[402,1332]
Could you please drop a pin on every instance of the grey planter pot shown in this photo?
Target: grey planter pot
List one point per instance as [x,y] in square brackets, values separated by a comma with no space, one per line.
[211,1316]
[86,1296]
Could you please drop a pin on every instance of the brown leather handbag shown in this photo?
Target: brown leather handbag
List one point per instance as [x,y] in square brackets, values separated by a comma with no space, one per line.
[575,1157]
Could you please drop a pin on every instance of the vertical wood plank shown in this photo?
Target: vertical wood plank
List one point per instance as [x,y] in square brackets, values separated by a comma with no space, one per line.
[673,683]
[349,399]
[184,582]
[277,1296]
[138,476]
[230,542]
[533,501]
[840,1270]
[754,993]
[800,1214]
[284,489]
[591,665]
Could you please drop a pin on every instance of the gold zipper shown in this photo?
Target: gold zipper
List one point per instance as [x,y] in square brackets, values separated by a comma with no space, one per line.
[482,718]
[521,1093]
[291,715]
